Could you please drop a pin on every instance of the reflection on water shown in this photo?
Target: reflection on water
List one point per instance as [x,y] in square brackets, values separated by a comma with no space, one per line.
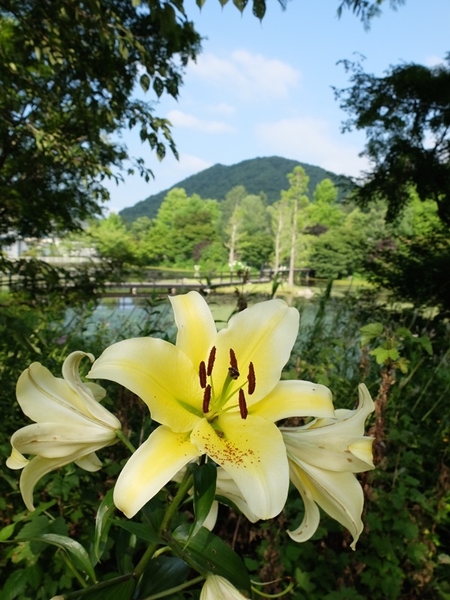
[131,316]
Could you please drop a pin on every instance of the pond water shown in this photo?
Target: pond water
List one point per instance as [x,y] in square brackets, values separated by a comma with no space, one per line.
[128,317]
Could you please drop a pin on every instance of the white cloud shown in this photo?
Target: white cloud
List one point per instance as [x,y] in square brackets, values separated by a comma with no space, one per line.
[224,109]
[182,119]
[192,164]
[310,140]
[434,61]
[249,75]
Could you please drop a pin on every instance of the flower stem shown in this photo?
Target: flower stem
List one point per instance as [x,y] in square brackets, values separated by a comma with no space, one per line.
[123,438]
[177,588]
[185,486]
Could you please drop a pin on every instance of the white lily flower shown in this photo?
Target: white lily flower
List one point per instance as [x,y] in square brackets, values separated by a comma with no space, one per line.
[70,424]
[217,394]
[219,588]
[323,459]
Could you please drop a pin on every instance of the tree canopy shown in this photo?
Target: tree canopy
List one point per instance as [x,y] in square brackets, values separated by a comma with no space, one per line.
[67,72]
[406,117]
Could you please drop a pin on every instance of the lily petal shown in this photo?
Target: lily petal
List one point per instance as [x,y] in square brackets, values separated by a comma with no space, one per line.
[42,396]
[160,374]
[323,449]
[196,326]
[295,399]
[339,494]
[351,422]
[252,451]
[263,334]
[90,463]
[226,487]
[151,467]
[40,466]
[217,587]
[63,439]
[311,519]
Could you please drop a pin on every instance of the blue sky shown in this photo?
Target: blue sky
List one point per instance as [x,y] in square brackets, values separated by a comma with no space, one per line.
[265,89]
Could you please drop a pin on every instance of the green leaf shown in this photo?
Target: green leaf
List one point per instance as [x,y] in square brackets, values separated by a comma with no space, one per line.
[239,4]
[33,529]
[381,355]
[111,590]
[75,549]
[163,573]
[102,524]
[205,477]
[403,332]
[393,354]
[425,342]
[141,531]
[207,552]
[158,86]
[7,532]
[145,82]
[259,8]
[369,332]
[14,586]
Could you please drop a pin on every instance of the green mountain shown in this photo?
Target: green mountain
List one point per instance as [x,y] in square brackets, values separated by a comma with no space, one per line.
[257,175]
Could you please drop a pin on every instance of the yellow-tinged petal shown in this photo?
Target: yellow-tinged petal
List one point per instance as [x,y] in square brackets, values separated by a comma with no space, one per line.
[334,444]
[339,494]
[16,460]
[252,451]
[263,334]
[226,487]
[350,423]
[160,374]
[90,463]
[196,327]
[40,466]
[295,399]
[311,518]
[323,449]
[43,397]
[362,449]
[52,440]
[217,587]
[151,467]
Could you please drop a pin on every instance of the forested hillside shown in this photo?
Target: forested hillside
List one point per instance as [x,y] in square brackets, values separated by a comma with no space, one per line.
[268,175]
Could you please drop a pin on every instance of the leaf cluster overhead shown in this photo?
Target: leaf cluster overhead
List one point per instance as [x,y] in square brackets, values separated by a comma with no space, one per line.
[67,72]
[406,117]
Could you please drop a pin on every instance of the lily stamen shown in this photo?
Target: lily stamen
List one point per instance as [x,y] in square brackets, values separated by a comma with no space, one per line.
[251,379]
[242,404]
[202,374]
[206,399]
[211,359]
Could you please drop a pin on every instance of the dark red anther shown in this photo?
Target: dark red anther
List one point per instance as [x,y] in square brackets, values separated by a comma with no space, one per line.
[233,360]
[233,369]
[211,359]
[202,374]
[206,399]
[251,379]
[242,404]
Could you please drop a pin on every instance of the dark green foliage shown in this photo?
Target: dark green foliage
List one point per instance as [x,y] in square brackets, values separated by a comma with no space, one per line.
[266,175]
[406,117]
[67,72]
[413,269]
[338,253]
